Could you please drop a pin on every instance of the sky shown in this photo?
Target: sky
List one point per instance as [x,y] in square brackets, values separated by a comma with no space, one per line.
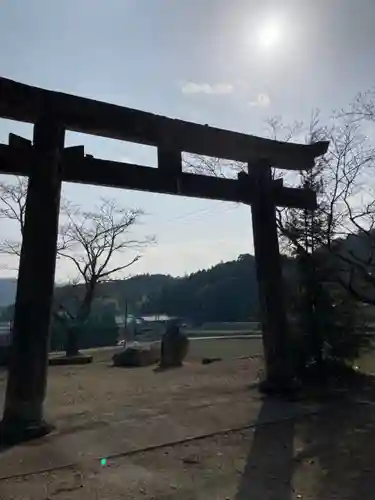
[229,64]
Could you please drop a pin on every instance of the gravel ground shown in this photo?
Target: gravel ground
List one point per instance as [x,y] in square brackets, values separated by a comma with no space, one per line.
[326,456]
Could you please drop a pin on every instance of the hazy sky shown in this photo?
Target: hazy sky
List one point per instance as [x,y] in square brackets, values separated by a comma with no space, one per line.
[225,63]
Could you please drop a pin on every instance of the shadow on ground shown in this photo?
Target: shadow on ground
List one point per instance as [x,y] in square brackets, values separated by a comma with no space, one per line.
[327,455]
[269,465]
[338,446]
[4,448]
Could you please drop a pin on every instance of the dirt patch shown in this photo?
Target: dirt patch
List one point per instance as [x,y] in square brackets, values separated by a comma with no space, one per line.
[327,456]
[112,414]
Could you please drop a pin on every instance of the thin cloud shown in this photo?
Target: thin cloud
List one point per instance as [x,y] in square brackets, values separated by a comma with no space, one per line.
[206,88]
[262,101]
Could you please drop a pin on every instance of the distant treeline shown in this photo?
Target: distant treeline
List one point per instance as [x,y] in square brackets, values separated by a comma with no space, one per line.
[225,292]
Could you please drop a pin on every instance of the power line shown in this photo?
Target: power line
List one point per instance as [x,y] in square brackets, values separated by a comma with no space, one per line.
[193,215]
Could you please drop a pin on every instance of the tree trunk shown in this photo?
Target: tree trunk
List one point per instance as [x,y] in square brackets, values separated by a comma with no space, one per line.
[71,346]
[73,332]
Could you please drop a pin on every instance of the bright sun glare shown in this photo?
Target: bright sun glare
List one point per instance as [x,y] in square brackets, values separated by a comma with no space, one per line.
[269,34]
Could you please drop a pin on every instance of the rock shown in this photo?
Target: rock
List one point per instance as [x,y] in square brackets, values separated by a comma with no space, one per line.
[174,347]
[137,355]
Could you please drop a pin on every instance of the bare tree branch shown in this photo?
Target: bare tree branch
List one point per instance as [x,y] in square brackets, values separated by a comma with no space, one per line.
[89,240]
[341,179]
[13,200]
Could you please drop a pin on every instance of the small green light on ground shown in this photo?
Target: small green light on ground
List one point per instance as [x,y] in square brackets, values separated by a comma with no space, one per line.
[103,461]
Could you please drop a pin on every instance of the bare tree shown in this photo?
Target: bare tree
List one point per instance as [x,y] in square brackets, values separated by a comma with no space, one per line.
[13,208]
[341,175]
[91,241]
[345,191]
[360,263]
[362,107]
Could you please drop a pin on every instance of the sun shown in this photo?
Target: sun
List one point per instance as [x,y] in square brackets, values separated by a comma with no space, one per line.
[270,35]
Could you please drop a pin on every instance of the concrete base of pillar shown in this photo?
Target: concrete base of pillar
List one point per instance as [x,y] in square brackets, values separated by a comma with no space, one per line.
[79,359]
[14,432]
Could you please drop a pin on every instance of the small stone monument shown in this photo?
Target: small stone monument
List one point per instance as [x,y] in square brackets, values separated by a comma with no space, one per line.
[174,346]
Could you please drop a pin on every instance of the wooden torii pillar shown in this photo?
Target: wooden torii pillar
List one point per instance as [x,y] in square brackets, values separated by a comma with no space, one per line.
[26,388]
[279,377]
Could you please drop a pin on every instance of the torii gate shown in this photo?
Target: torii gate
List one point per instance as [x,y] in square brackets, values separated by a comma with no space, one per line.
[47,164]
